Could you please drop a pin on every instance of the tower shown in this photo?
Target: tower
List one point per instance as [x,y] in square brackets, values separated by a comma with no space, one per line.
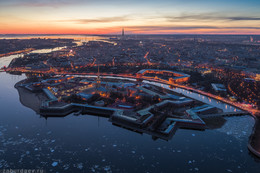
[251,39]
[98,79]
[123,32]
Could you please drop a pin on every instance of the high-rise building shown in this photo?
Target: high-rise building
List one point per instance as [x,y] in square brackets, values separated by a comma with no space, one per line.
[251,39]
[123,32]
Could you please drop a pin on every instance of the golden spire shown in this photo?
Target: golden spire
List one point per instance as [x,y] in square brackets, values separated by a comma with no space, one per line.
[98,79]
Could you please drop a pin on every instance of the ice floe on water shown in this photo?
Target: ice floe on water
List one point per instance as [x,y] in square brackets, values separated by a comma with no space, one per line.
[54,164]
[3,164]
[46,151]
[66,167]
[107,168]
[99,168]
[141,157]
[80,165]
[238,127]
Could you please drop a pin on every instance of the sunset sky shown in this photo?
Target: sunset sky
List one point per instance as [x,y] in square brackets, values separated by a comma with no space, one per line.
[136,16]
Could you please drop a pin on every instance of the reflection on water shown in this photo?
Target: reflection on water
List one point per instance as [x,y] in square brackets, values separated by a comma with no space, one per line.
[221,105]
[79,40]
[6,60]
[48,50]
[225,107]
[91,144]
[237,128]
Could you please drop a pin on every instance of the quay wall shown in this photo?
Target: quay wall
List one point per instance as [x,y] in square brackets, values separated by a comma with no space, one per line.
[254,145]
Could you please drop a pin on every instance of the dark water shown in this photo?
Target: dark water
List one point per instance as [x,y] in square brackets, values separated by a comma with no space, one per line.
[92,144]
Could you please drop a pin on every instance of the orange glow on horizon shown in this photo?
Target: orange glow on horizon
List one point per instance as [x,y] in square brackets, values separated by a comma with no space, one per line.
[118,31]
[83,17]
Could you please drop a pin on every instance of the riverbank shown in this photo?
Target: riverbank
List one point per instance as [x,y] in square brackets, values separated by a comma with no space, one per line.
[6,60]
[17,52]
[254,144]
[29,99]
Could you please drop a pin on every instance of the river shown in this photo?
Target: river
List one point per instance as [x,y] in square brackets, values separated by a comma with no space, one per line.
[6,60]
[225,107]
[92,144]
[79,40]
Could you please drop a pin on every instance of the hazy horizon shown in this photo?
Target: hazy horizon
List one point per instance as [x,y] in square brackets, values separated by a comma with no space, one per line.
[138,17]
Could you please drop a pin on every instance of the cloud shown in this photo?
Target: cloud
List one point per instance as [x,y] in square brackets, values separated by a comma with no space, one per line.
[209,16]
[172,28]
[41,3]
[244,18]
[98,20]
[241,27]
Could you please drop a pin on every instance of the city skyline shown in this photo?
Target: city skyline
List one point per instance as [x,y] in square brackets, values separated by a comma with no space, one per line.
[146,17]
